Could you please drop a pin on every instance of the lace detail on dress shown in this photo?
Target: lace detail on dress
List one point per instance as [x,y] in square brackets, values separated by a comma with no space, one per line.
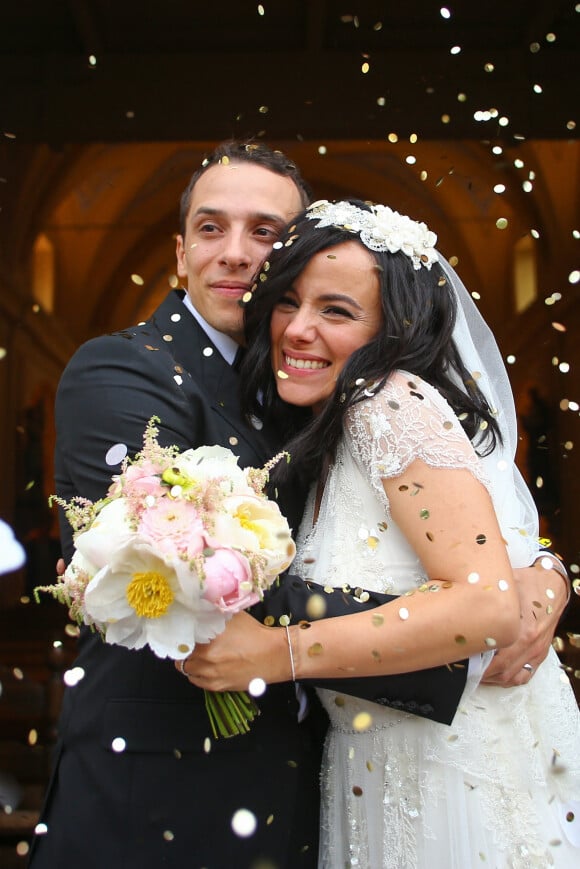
[407,420]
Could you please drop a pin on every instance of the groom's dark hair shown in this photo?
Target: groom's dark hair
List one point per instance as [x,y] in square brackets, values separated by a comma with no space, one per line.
[248,151]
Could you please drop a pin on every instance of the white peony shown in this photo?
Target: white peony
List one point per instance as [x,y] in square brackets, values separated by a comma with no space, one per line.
[109,532]
[210,463]
[255,524]
[144,599]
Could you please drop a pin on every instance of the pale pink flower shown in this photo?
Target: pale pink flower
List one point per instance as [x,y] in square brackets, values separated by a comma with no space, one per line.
[174,526]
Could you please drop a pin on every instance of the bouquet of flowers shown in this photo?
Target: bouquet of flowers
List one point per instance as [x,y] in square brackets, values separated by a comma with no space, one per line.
[181,542]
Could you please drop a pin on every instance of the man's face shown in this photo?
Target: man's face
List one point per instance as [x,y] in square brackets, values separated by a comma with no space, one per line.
[236,214]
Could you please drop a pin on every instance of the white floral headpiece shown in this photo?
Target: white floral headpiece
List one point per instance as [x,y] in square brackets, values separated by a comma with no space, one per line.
[379,229]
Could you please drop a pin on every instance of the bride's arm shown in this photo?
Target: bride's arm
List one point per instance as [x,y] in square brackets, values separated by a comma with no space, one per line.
[469,605]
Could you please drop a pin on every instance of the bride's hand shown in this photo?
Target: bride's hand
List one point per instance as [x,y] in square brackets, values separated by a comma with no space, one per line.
[246,650]
[543,596]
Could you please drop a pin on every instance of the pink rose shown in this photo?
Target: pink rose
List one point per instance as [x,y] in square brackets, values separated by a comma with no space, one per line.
[225,571]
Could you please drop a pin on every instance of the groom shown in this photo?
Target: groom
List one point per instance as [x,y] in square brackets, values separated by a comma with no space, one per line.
[166,800]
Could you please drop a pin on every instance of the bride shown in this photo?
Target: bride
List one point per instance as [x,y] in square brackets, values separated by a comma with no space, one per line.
[363,341]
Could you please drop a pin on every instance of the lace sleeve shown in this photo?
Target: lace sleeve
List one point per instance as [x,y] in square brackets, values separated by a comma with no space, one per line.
[408,419]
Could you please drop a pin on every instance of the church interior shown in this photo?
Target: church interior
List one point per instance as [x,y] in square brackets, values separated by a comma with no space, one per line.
[465,117]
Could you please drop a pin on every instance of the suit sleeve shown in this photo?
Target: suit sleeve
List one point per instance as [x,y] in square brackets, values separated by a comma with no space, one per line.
[434,693]
[111,388]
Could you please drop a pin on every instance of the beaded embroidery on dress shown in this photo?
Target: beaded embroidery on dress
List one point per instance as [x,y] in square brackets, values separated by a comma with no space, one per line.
[409,792]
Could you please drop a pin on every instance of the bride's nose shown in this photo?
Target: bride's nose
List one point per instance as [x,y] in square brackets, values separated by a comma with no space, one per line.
[302,326]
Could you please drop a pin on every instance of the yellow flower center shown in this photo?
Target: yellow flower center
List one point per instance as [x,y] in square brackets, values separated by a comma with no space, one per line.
[244,517]
[149,594]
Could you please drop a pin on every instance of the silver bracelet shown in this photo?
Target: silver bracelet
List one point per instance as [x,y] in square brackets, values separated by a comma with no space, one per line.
[556,565]
[291,653]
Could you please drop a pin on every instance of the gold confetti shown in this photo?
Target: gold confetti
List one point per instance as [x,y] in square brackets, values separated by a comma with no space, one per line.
[284,620]
[357,791]
[137,279]
[315,649]
[269,621]
[269,820]
[481,539]
[460,639]
[362,721]
[369,765]
[339,701]
[282,375]
[424,513]
[377,620]
[316,607]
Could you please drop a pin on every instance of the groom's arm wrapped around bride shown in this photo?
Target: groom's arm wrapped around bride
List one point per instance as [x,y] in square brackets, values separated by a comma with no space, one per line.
[433,693]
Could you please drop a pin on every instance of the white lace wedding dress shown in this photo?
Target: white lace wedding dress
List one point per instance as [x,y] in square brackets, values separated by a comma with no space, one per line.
[491,789]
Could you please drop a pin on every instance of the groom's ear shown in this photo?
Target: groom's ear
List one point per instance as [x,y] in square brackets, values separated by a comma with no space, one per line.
[180,256]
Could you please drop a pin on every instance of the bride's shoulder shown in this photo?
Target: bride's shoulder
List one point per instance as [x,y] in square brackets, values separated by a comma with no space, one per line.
[403,391]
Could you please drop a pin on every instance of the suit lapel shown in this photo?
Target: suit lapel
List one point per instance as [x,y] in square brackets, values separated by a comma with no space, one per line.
[180,334]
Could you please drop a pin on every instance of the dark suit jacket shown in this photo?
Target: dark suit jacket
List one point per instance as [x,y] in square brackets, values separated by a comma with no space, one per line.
[165,801]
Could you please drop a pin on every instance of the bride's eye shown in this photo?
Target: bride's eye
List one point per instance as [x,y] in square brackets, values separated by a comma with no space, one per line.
[286,302]
[336,310]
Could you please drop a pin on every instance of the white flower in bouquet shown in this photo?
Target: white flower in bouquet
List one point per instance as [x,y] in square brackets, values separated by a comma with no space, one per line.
[180,543]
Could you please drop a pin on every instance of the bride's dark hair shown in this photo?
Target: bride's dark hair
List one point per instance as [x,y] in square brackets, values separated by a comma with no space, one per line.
[418,310]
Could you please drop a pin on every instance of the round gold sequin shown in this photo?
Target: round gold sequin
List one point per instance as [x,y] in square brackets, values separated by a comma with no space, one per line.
[233,440]
[315,649]
[481,539]
[316,607]
[357,791]
[282,375]
[269,621]
[460,639]
[362,721]
[490,642]
[284,620]
[369,765]
[377,620]
[168,836]
[246,297]
[424,513]
[339,701]
[168,338]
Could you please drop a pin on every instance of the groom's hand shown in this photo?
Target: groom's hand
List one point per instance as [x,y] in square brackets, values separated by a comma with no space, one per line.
[543,597]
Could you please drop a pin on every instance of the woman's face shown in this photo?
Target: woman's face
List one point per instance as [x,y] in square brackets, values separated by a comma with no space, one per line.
[331,310]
